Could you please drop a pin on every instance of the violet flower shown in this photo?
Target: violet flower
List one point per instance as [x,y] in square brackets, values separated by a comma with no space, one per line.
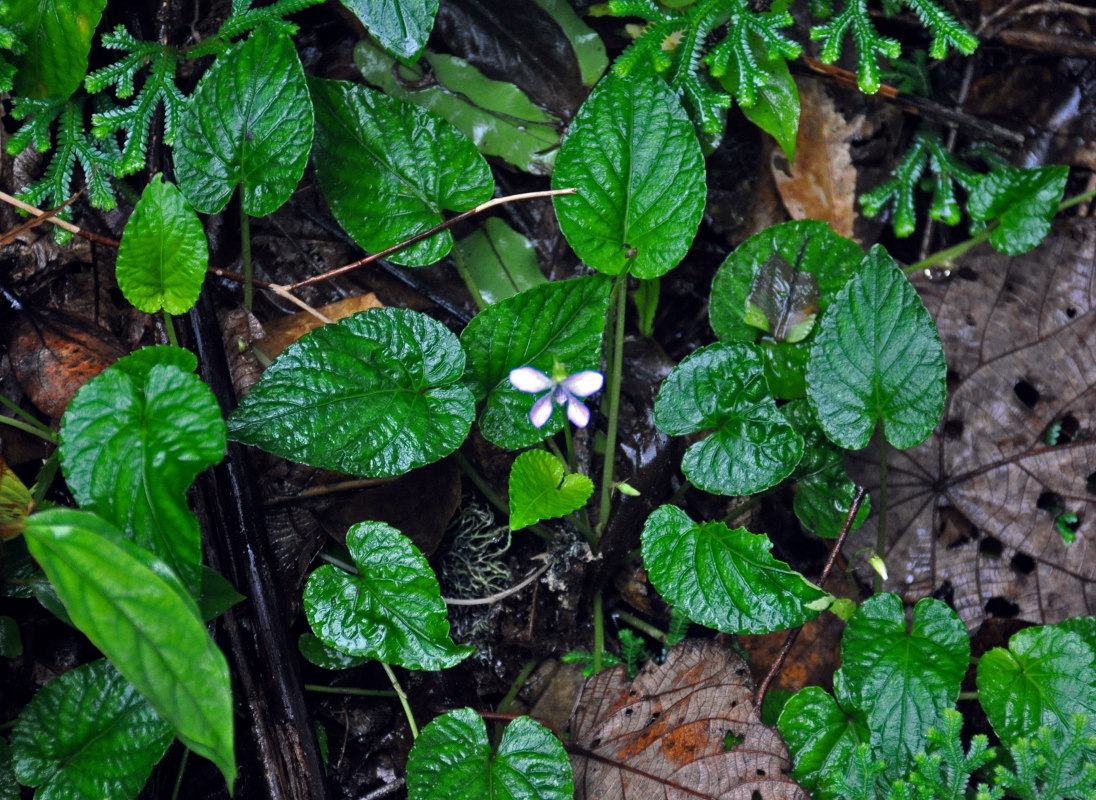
[561,388]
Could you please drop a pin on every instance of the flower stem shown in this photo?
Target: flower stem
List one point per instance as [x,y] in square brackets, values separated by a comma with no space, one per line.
[33,430]
[349,690]
[179,775]
[403,699]
[515,687]
[466,276]
[169,327]
[616,366]
[245,252]
[599,632]
[641,625]
[881,541]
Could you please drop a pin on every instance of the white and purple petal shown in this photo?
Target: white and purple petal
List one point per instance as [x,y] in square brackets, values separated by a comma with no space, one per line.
[583,384]
[577,412]
[541,411]
[528,379]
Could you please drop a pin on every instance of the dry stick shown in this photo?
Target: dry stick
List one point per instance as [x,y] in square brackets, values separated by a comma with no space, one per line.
[60,223]
[36,220]
[418,237]
[854,509]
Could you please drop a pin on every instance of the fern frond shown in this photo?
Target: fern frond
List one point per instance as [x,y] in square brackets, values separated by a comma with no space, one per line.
[734,55]
[1052,766]
[244,18]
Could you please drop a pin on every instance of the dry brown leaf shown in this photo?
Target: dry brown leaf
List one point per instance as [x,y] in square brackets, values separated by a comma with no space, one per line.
[680,730]
[284,331]
[821,182]
[972,510]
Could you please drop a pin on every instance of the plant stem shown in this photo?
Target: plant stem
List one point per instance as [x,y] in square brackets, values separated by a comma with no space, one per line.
[25,415]
[616,366]
[33,430]
[45,477]
[967,696]
[169,326]
[572,463]
[599,632]
[466,276]
[179,775]
[515,687]
[881,540]
[403,699]
[245,252]
[315,687]
[950,253]
[640,625]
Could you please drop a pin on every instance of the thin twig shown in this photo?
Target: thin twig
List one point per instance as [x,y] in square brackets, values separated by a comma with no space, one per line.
[494,598]
[60,223]
[854,509]
[331,488]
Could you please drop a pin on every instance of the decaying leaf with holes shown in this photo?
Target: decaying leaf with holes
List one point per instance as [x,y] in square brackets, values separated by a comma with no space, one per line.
[993,513]
[680,730]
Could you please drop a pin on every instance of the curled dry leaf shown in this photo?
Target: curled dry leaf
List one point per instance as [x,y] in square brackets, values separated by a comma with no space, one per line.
[975,511]
[682,730]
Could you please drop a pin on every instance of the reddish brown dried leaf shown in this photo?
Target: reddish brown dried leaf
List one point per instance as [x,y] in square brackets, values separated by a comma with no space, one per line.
[972,510]
[680,730]
[54,353]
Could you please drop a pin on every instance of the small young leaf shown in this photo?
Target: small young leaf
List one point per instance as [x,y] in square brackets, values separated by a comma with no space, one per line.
[822,736]
[374,394]
[629,143]
[725,579]
[541,489]
[452,758]
[1024,201]
[56,42]
[877,358]
[401,26]
[132,607]
[163,255]
[722,388]
[559,321]
[391,610]
[321,655]
[776,107]
[1043,676]
[812,247]
[88,733]
[216,595]
[645,298]
[902,677]
[389,168]
[248,123]
[500,260]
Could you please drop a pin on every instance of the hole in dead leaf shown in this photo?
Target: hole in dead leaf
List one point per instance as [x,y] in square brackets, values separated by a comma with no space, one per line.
[596,742]
[953,429]
[740,671]
[1062,431]
[955,530]
[1090,483]
[952,378]
[627,712]
[967,274]
[1010,286]
[731,740]
[1022,563]
[762,773]
[945,593]
[1000,607]
[1050,501]
[990,547]
[756,795]
[970,320]
[1026,393]
[1071,312]
[734,704]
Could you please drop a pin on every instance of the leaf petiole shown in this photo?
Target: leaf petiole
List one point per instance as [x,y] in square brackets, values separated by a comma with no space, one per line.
[403,699]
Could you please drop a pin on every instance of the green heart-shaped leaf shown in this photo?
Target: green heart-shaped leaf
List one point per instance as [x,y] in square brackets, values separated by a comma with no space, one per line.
[1023,201]
[822,736]
[540,488]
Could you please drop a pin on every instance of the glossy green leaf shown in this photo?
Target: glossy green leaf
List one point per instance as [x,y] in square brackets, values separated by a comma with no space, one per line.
[500,260]
[877,358]
[321,655]
[401,26]
[9,786]
[632,153]
[88,733]
[1085,627]
[1023,201]
[823,490]
[540,488]
[452,758]
[776,107]
[248,124]
[722,388]
[1044,675]
[725,579]
[388,169]
[830,258]
[391,610]
[163,256]
[587,46]
[903,677]
[216,595]
[133,608]
[133,439]
[559,321]
[56,41]
[375,394]
[497,116]
[821,735]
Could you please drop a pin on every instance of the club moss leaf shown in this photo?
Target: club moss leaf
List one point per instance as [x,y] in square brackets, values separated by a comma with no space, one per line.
[391,610]
[248,124]
[559,321]
[133,439]
[832,259]
[452,758]
[497,116]
[162,257]
[722,388]
[877,358]
[1023,201]
[1044,675]
[375,394]
[540,488]
[401,26]
[821,735]
[500,260]
[725,579]
[56,42]
[903,677]
[133,608]
[88,733]
[389,168]
[632,153]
